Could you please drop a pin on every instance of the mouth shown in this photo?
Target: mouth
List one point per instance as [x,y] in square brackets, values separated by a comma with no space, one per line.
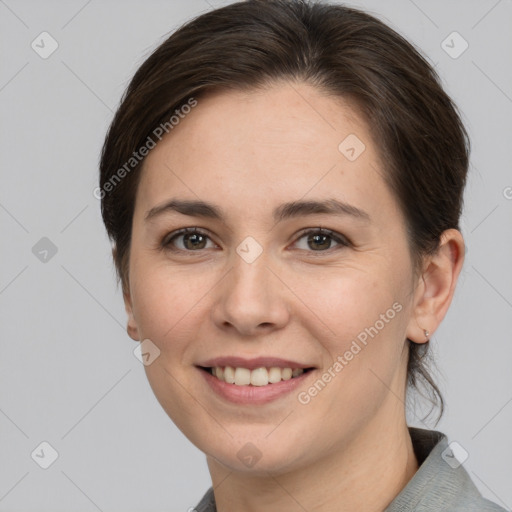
[253,381]
[258,377]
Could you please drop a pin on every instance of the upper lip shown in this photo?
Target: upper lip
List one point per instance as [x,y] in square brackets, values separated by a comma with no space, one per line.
[251,364]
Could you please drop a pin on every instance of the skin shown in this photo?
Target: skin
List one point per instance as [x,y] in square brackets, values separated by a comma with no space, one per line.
[248,152]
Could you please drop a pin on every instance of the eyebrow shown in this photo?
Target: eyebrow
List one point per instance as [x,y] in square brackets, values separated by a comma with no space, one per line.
[285,211]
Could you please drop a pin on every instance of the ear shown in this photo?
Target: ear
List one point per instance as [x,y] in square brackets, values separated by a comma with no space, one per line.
[131,326]
[436,286]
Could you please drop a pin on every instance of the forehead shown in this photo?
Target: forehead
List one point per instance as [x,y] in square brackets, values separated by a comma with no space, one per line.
[273,145]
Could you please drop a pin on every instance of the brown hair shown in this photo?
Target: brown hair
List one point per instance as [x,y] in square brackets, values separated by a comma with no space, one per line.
[341,51]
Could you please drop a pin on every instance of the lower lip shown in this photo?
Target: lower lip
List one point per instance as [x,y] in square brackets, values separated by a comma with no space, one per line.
[253,395]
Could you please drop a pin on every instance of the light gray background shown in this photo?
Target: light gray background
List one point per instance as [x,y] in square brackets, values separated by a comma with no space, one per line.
[68,375]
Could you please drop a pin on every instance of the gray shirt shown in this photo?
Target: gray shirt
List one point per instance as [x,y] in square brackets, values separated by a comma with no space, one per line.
[441,484]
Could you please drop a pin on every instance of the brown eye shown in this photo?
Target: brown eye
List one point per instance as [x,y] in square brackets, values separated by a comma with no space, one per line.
[320,240]
[194,241]
[189,239]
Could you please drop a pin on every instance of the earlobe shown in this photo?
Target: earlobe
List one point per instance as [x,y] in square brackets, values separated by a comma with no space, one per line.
[436,287]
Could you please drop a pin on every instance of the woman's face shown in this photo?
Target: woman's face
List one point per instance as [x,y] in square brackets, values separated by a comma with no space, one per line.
[248,287]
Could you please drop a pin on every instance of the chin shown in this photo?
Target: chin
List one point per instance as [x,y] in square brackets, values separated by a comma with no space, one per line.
[256,461]
[254,451]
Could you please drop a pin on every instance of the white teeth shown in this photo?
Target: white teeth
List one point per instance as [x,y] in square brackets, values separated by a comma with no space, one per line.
[257,377]
[274,375]
[242,376]
[286,373]
[229,375]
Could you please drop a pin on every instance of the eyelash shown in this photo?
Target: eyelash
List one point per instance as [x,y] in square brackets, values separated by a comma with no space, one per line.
[342,241]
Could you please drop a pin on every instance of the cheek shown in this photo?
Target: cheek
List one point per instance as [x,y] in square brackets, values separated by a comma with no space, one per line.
[169,308]
[348,302]
[362,323]
[167,303]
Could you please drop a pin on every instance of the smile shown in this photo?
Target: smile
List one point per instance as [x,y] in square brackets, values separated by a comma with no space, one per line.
[253,381]
[257,377]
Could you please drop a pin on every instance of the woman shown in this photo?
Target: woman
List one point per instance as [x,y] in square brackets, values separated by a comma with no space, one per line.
[283,183]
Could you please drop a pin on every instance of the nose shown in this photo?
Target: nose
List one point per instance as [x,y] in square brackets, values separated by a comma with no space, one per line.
[251,299]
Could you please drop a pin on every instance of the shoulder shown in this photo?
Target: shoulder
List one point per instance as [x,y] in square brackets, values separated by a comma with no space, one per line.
[482,506]
[477,505]
[441,483]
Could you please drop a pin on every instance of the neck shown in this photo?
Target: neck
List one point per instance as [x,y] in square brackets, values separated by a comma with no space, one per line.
[366,475]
